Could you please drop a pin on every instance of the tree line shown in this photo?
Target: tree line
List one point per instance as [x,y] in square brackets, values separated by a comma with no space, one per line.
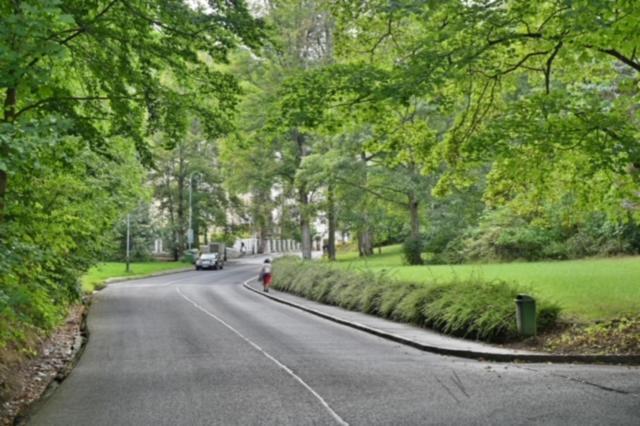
[95,93]
[467,130]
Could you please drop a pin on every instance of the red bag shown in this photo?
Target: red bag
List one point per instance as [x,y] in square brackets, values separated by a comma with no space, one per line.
[266,279]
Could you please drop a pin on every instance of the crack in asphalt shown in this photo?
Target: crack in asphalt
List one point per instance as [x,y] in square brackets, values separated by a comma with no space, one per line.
[447,389]
[456,381]
[584,382]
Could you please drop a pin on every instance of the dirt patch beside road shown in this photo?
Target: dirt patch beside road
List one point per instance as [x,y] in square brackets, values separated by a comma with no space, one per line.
[614,337]
[24,376]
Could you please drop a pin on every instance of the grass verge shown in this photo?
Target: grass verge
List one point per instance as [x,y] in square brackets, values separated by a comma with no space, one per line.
[94,279]
[587,290]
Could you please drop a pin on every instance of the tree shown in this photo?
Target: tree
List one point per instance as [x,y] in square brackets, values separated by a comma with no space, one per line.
[562,66]
[141,231]
[65,199]
[101,67]
[384,105]
[192,166]
[84,85]
[303,40]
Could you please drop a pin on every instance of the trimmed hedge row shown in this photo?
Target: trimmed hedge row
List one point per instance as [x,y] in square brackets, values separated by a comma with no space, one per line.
[471,309]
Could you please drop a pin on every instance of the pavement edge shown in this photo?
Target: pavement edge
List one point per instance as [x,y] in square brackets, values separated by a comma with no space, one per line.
[481,356]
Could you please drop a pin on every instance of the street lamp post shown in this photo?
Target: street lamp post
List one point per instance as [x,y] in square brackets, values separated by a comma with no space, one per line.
[190,236]
[128,240]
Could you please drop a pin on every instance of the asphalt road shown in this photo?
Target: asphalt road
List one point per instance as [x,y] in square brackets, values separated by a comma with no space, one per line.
[198,349]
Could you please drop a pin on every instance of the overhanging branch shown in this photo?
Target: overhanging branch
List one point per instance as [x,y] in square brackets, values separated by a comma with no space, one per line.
[71,99]
[622,58]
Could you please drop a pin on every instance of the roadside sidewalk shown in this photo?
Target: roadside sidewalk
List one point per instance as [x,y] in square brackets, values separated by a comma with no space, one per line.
[429,340]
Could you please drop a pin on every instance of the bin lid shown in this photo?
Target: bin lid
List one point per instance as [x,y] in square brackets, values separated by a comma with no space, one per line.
[524,298]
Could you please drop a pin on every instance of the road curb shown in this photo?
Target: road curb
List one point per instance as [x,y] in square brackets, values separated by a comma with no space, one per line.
[482,356]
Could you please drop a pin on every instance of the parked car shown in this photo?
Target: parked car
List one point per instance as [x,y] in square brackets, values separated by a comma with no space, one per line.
[209,261]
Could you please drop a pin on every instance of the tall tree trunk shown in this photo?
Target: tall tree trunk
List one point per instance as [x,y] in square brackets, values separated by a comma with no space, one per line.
[264,235]
[365,241]
[414,205]
[303,200]
[305,225]
[194,214]
[365,234]
[181,216]
[261,214]
[331,214]
[205,233]
[414,249]
[283,217]
[172,215]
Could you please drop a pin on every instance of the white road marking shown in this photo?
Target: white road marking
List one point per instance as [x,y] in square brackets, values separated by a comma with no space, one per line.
[335,415]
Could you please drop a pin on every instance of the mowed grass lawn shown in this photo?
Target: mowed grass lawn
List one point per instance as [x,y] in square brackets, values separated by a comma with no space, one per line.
[99,273]
[587,290]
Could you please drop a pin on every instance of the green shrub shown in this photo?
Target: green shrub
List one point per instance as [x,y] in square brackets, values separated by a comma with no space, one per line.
[409,309]
[57,217]
[412,250]
[526,242]
[453,253]
[372,298]
[472,309]
[390,299]
[555,250]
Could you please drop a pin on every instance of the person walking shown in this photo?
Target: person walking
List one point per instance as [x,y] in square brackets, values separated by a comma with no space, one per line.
[265,275]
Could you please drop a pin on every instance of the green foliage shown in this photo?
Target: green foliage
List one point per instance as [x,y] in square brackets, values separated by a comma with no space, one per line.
[58,213]
[449,217]
[490,106]
[142,233]
[108,67]
[228,238]
[191,168]
[409,308]
[472,309]
[506,235]
[412,249]
[493,95]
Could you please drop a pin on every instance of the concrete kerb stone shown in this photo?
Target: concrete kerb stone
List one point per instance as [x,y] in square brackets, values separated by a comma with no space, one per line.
[461,353]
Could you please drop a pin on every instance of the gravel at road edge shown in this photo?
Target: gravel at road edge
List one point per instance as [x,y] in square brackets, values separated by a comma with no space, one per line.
[53,362]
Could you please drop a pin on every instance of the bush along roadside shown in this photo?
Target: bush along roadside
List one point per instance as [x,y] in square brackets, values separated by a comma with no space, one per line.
[470,309]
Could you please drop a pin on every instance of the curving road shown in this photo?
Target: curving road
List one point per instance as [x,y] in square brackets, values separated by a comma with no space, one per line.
[198,349]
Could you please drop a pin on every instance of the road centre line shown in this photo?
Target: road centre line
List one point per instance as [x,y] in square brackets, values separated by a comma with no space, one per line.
[335,415]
